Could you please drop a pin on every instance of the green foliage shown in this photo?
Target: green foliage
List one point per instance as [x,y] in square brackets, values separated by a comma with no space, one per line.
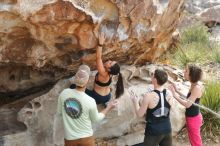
[216,56]
[196,47]
[195,34]
[189,53]
[211,100]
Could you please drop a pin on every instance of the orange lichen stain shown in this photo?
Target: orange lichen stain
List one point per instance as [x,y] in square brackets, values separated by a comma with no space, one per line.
[105,9]
[86,36]
[59,11]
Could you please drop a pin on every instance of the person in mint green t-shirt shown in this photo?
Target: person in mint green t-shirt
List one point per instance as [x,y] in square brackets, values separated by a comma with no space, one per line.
[78,111]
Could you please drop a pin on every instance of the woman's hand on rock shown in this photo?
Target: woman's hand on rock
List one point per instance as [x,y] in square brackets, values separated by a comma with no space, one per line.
[102,38]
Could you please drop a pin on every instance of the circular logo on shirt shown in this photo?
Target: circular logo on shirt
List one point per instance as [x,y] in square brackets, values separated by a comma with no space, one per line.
[73,108]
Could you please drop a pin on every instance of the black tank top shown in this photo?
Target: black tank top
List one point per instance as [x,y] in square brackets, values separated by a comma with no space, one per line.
[102,84]
[192,110]
[158,121]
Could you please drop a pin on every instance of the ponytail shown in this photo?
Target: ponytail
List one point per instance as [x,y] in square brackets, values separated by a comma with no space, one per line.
[119,86]
[115,70]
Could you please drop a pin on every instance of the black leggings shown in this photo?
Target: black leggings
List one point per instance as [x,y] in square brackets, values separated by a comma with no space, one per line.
[99,99]
[161,140]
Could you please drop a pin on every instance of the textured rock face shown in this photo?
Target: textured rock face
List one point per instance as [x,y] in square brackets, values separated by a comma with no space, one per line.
[197,6]
[211,14]
[43,41]
[207,10]
[120,127]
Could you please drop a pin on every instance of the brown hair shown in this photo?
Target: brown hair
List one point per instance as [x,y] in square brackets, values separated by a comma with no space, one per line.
[195,73]
[119,86]
[161,76]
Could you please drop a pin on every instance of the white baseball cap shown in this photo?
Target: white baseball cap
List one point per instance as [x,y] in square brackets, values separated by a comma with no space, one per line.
[82,76]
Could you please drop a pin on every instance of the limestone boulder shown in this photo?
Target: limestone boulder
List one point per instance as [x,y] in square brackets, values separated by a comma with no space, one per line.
[49,39]
[197,6]
[206,11]
[211,15]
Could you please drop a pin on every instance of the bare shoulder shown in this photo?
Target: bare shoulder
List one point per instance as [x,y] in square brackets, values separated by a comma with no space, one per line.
[149,96]
[103,74]
[197,91]
[197,88]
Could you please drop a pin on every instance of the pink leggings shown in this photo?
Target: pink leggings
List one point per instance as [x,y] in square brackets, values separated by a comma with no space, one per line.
[193,128]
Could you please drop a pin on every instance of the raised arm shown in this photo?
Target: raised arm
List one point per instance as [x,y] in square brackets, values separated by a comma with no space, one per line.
[180,93]
[196,92]
[176,90]
[170,98]
[139,110]
[99,62]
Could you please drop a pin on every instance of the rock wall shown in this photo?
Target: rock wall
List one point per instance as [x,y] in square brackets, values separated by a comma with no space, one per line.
[205,11]
[121,127]
[45,40]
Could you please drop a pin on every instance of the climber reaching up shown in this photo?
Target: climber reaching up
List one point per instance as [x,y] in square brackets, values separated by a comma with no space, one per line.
[104,75]
[101,91]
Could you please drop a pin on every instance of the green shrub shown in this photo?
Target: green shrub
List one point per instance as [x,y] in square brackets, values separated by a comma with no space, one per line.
[217,56]
[214,51]
[194,46]
[193,52]
[211,100]
[196,33]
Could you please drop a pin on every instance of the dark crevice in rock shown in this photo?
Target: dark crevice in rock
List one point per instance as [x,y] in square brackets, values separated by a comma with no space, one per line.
[8,112]
[13,96]
[37,105]
[1,141]
[29,106]
[211,24]
[9,123]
